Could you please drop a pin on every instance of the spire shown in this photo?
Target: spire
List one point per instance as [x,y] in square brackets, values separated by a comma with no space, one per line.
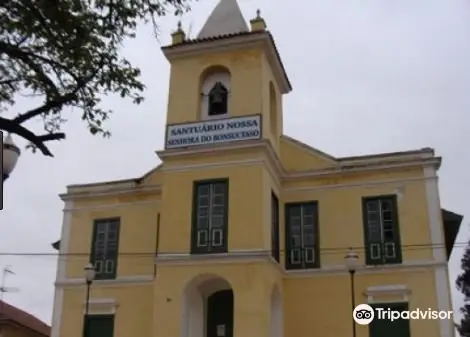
[226,18]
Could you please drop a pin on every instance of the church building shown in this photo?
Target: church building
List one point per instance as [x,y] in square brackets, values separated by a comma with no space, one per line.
[242,230]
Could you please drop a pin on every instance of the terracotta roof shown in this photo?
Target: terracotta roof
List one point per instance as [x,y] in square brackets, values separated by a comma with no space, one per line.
[22,318]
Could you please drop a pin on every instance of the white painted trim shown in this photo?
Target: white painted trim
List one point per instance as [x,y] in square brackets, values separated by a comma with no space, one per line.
[387,289]
[406,266]
[441,277]
[374,164]
[241,256]
[101,306]
[356,184]
[434,214]
[340,168]
[108,301]
[105,190]
[196,151]
[112,206]
[188,168]
[235,256]
[401,290]
[61,270]
[334,171]
[385,301]
[317,173]
[123,280]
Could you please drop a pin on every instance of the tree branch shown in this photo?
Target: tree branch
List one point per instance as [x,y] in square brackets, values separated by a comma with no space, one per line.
[52,104]
[12,127]
[52,136]
[61,100]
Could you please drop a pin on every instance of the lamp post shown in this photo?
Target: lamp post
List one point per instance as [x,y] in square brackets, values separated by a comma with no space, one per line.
[89,277]
[11,153]
[351,259]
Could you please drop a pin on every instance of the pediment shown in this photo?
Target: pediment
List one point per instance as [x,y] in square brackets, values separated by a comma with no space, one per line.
[298,156]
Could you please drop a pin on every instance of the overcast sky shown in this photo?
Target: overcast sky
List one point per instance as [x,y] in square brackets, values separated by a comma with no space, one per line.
[370,76]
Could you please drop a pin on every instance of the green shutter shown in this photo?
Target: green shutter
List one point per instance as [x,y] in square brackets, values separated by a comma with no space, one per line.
[274,227]
[388,328]
[293,248]
[209,230]
[105,247]
[381,230]
[92,245]
[100,326]
[113,253]
[392,245]
[302,235]
[372,236]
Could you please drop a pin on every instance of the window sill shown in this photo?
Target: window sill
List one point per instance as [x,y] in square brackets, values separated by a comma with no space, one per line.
[383,264]
[234,256]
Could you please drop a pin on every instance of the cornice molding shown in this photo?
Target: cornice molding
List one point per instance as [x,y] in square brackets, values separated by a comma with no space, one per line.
[120,281]
[254,256]
[367,167]
[414,159]
[83,193]
[196,151]
[238,256]
[406,266]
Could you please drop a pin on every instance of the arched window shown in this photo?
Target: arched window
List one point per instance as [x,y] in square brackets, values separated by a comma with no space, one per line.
[218,100]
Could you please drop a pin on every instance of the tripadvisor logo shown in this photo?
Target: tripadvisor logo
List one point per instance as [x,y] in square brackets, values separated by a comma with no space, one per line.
[363,314]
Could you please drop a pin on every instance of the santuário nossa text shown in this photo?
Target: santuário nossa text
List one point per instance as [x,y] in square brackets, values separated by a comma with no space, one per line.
[214,131]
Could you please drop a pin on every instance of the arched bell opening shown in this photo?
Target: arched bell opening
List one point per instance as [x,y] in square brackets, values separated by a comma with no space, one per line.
[215,84]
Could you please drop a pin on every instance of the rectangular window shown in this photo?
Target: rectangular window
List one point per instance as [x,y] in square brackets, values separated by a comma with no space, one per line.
[105,247]
[274,227]
[381,230]
[99,325]
[210,222]
[302,242]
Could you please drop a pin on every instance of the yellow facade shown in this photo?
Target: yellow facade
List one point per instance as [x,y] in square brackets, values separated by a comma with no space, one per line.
[159,284]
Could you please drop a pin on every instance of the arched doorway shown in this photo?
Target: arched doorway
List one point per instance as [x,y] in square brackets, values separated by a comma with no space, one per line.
[207,311]
[219,314]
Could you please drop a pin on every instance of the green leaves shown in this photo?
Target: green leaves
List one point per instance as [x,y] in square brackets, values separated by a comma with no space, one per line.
[67,53]
[463,285]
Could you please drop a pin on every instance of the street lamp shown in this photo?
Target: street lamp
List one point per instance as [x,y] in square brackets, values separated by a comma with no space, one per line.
[11,153]
[89,277]
[352,259]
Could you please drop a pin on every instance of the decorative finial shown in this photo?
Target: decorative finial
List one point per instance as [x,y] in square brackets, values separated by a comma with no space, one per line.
[178,36]
[258,24]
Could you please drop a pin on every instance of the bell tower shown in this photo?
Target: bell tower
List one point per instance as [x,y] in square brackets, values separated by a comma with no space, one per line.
[226,85]
[219,246]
